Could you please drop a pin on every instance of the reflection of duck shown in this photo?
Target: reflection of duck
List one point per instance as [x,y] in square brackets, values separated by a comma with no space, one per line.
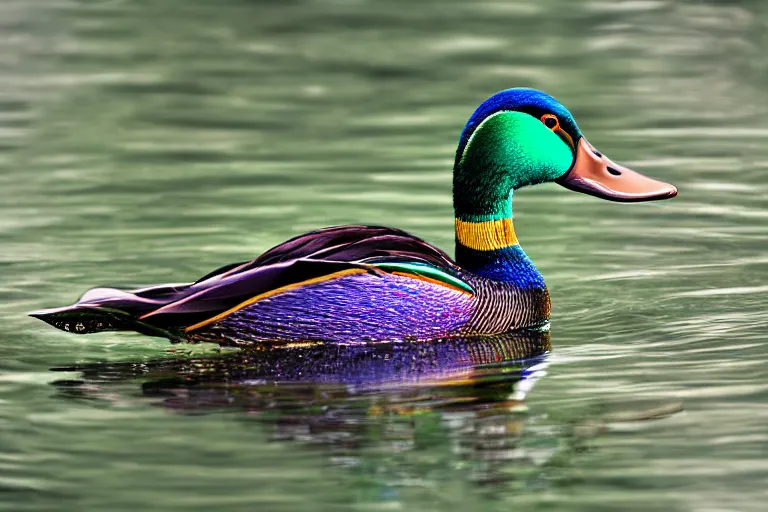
[359,367]
[357,400]
[360,283]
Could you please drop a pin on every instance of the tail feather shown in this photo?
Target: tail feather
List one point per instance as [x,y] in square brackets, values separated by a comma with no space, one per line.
[85,319]
[109,309]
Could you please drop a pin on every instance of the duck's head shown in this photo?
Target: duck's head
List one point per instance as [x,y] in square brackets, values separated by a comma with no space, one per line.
[521,137]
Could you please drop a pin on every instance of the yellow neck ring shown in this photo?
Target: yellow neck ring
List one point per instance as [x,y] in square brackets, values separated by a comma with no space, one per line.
[486,236]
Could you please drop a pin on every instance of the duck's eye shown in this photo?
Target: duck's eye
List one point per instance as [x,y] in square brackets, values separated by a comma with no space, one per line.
[553,123]
[550,121]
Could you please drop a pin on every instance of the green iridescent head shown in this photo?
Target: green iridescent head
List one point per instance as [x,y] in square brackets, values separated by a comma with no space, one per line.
[521,137]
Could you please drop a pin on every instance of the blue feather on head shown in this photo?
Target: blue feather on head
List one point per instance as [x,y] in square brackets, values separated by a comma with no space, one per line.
[519,99]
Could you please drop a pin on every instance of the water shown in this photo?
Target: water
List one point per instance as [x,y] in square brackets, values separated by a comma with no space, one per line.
[146,141]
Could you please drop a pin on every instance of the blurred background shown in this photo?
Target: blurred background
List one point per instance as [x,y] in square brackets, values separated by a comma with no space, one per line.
[153,141]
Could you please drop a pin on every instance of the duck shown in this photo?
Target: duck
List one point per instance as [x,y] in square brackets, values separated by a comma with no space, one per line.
[365,284]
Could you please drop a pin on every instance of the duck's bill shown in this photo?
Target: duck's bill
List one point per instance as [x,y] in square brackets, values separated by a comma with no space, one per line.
[594,174]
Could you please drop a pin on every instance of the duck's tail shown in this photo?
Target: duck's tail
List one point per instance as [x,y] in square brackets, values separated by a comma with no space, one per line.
[110,309]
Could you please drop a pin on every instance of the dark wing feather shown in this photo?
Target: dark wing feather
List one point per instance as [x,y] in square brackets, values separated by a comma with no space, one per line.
[221,270]
[309,244]
[352,243]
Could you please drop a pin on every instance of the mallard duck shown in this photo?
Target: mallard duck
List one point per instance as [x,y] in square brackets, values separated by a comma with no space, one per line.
[359,283]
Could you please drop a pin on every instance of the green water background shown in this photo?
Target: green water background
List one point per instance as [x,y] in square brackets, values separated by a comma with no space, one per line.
[152,141]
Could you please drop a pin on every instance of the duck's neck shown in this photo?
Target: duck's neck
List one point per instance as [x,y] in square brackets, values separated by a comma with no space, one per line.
[506,151]
[486,245]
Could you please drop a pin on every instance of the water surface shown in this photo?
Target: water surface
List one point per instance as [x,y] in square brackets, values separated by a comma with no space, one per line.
[152,141]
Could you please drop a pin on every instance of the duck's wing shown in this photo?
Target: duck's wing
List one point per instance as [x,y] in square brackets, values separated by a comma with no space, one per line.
[307,259]
[344,243]
[310,258]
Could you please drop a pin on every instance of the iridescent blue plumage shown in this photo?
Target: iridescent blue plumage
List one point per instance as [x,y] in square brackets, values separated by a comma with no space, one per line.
[508,265]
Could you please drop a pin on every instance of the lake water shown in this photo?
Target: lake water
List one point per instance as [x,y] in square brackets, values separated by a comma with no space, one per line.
[153,141]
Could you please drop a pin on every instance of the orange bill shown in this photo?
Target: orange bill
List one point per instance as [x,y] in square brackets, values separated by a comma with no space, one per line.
[594,174]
